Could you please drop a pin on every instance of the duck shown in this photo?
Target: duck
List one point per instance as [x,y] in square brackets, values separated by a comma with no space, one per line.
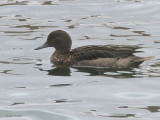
[117,56]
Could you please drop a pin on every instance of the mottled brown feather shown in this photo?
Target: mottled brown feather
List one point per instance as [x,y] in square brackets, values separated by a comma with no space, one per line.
[91,52]
[91,55]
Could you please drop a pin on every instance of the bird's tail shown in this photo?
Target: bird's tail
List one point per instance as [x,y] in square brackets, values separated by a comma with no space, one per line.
[140,60]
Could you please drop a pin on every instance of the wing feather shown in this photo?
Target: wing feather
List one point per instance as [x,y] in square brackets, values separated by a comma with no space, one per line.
[91,52]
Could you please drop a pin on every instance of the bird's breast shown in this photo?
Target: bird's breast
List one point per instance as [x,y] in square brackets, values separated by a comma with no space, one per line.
[61,59]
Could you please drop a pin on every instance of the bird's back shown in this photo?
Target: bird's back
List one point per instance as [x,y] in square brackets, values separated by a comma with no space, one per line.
[91,52]
[107,56]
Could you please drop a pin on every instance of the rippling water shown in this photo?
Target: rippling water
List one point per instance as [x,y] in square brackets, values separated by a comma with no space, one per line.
[32,87]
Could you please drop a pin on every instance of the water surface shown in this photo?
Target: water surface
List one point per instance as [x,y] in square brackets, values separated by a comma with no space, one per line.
[28,81]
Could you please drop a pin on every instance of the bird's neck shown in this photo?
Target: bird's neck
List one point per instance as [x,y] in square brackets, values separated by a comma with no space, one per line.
[61,52]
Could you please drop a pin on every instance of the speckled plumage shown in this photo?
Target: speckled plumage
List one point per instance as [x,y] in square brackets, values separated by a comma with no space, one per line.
[91,55]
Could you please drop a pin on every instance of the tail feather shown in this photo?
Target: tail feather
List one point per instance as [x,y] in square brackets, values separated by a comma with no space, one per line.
[140,60]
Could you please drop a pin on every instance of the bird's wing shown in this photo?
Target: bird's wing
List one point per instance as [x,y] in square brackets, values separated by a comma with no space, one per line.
[91,52]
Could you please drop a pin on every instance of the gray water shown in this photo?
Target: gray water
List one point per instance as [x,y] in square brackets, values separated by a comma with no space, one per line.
[31,88]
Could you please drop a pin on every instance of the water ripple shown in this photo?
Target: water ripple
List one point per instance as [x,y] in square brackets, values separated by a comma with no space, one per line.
[33,114]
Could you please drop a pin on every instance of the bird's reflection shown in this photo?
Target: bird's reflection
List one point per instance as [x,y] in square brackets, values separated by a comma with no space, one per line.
[107,72]
[95,71]
[92,71]
[58,71]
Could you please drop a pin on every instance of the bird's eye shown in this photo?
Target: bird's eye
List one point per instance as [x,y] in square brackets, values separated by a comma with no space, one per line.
[53,36]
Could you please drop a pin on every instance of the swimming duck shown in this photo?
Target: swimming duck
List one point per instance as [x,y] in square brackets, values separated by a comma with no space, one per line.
[119,56]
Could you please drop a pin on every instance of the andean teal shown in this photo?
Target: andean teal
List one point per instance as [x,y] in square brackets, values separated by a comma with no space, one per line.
[120,56]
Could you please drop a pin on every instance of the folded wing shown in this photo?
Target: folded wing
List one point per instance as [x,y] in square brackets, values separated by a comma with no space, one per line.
[92,52]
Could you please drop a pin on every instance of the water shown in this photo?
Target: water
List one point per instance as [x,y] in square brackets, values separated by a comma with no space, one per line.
[32,114]
[31,86]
